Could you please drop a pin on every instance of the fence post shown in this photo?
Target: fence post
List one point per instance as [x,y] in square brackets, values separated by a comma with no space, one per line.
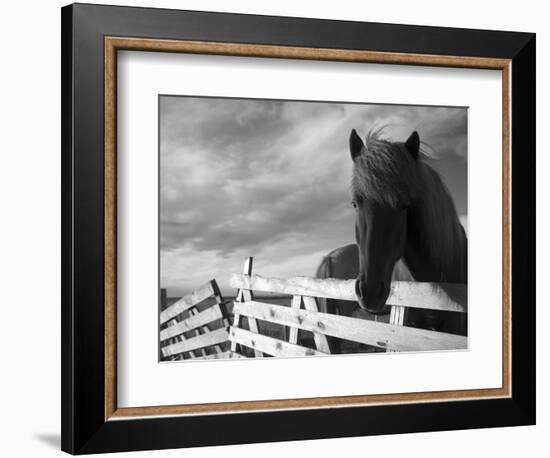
[398,314]
[321,341]
[247,295]
[293,332]
[219,300]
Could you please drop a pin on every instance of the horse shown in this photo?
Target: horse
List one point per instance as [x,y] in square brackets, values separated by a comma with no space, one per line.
[406,228]
[343,263]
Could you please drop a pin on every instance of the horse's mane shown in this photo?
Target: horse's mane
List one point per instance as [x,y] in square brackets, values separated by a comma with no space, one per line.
[388,174]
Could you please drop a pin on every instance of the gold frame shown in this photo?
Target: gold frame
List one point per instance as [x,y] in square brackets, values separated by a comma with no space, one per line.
[114,44]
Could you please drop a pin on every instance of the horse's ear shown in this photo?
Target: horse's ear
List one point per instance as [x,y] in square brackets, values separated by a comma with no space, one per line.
[356,145]
[413,145]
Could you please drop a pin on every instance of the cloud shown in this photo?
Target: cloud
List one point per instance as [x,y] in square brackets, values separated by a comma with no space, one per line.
[270,179]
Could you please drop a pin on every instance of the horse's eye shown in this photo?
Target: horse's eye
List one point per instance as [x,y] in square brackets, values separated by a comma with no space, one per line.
[354,204]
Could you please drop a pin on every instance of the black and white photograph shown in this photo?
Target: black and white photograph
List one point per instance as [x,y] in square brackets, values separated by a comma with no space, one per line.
[275,229]
[293,228]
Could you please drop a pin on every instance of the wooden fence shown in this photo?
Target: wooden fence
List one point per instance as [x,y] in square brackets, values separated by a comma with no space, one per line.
[195,326]
[393,336]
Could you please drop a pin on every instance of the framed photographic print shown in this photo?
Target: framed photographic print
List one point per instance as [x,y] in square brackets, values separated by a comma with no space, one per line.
[270,222]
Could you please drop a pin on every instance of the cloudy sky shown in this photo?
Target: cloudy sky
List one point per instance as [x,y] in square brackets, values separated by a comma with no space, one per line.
[270,179]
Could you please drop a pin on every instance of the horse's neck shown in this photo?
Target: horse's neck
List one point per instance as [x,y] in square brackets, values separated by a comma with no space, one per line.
[436,248]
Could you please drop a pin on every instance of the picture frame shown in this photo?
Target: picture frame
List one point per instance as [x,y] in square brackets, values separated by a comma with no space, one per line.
[92,35]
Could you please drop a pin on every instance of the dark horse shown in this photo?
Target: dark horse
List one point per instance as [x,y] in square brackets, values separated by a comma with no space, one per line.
[406,227]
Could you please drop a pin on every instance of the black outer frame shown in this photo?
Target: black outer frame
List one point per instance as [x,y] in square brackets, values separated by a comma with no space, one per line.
[84,429]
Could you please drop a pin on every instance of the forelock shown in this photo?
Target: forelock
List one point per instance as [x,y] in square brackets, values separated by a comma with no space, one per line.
[385,172]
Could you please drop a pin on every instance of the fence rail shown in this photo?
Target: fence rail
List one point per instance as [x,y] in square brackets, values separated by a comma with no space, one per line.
[382,335]
[449,297]
[189,332]
[190,300]
[216,337]
[193,322]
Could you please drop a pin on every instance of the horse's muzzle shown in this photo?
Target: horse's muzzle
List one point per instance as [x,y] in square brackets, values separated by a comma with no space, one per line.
[372,300]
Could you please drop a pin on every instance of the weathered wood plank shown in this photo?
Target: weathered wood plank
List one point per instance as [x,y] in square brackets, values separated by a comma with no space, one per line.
[215,337]
[320,339]
[269,345]
[172,322]
[297,286]
[188,301]
[383,335]
[221,305]
[196,321]
[222,355]
[236,324]
[397,317]
[216,348]
[197,332]
[293,333]
[253,326]
[247,295]
[434,296]
[450,297]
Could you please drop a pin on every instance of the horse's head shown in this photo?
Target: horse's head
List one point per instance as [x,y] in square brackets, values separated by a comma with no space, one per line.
[385,182]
